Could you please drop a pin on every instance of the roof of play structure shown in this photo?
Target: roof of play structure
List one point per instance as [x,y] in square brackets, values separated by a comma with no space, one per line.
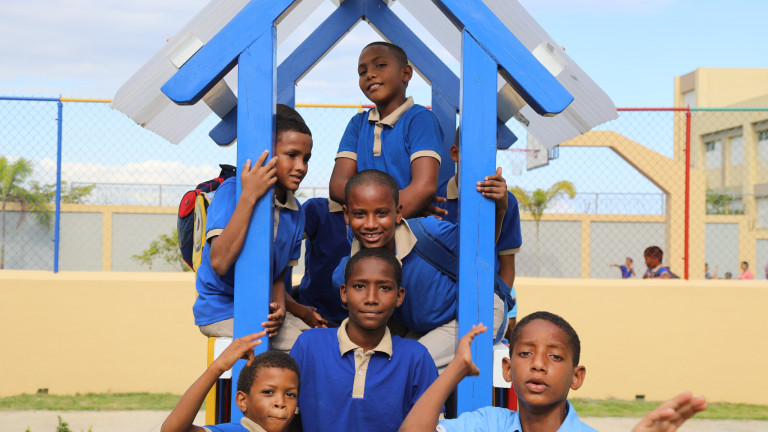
[142,100]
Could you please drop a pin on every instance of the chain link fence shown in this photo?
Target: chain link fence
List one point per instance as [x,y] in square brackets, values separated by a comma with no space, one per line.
[609,194]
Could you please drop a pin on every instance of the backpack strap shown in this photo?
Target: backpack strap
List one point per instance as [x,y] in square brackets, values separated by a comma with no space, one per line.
[433,251]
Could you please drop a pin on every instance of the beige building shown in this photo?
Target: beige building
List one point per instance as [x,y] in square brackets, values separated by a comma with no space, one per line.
[730,145]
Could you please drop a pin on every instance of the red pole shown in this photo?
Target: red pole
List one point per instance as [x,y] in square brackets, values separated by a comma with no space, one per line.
[687,230]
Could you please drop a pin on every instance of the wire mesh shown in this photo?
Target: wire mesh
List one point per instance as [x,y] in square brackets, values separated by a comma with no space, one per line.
[121,186]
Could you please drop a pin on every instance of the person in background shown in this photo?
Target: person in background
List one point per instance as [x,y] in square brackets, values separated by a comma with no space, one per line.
[745,273]
[627,270]
[707,275]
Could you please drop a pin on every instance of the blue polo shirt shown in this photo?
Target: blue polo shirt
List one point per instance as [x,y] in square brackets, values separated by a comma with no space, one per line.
[327,242]
[510,237]
[430,295]
[344,388]
[216,294]
[245,425]
[501,419]
[391,144]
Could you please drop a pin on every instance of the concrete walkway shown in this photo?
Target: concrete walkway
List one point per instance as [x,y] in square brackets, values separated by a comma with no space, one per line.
[150,421]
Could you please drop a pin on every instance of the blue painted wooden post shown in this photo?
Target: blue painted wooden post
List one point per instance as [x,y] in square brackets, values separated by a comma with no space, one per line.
[57,203]
[446,116]
[477,158]
[255,131]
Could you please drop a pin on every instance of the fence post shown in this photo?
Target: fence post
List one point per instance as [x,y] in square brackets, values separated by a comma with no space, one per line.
[687,240]
[57,222]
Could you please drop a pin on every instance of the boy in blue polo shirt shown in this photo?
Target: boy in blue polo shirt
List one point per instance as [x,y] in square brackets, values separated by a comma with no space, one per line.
[543,365]
[267,391]
[398,137]
[429,311]
[359,377]
[228,219]
[326,243]
[510,238]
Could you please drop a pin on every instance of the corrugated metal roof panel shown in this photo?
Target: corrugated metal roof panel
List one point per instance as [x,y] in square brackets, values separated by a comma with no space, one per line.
[140,97]
[591,106]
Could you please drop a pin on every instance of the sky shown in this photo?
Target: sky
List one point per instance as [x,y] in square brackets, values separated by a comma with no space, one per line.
[632,48]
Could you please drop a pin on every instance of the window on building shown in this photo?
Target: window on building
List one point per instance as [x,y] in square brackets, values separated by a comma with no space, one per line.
[762,212]
[762,146]
[713,154]
[737,150]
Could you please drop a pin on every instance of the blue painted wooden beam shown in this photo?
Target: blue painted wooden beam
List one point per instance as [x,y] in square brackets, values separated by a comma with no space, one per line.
[257,69]
[476,229]
[446,117]
[526,75]
[217,57]
[506,136]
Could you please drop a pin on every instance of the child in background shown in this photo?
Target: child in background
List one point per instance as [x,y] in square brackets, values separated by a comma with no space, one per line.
[543,366]
[510,238]
[428,314]
[326,243]
[227,224]
[745,273]
[653,257]
[627,270]
[267,391]
[359,377]
[398,137]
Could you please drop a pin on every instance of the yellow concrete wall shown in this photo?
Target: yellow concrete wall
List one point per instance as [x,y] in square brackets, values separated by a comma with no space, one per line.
[98,332]
[131,332]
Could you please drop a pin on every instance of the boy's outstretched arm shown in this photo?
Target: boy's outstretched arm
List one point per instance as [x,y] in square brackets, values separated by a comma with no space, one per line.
[495,187]
[424,414]
[255,182]
[671,414]
[343,170]
[182,416]
[418,194]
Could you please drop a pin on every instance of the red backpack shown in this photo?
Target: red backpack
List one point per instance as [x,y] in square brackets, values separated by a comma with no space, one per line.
[193,214]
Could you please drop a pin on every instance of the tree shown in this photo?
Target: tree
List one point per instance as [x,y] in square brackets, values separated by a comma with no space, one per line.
[537,202]
[13,177]
[33,197]
[164,247]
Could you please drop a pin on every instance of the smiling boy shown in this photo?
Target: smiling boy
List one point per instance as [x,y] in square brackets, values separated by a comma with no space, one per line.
[398,137]
[359,377]
[543,366]
[267,391]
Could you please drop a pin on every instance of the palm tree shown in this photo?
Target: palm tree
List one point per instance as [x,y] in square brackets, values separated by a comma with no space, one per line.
[12,179]
[536,203]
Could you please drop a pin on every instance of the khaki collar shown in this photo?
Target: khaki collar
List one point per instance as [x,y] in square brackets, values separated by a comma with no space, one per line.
[251,425]
[390,120]
[333,206]
[404,241]
[346,345]
[290,202]
[452,188]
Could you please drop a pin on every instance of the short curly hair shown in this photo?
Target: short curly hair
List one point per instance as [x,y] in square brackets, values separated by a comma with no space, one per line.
[268,359]
[379,253]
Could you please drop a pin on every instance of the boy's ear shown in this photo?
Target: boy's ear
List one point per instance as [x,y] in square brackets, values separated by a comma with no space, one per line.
[455,153]
[400,297]
[241,400]
[407,73]
[506,369]
[398,214]
[343,293]
[579,372]
[344,212]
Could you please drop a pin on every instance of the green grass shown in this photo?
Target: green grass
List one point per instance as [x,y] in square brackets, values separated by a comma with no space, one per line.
[624,408]
[90,402]
[166,402]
